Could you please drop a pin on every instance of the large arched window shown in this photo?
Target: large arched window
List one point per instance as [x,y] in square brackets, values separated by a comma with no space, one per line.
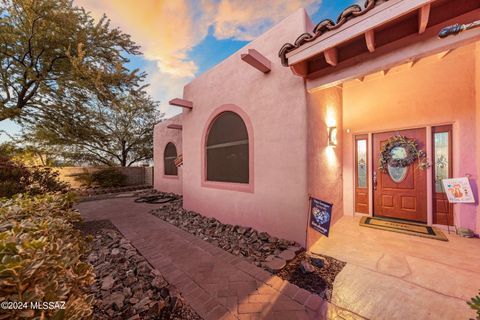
[169,155]
[227,149]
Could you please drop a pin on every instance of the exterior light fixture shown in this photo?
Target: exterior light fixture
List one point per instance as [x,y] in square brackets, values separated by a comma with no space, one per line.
[332,136]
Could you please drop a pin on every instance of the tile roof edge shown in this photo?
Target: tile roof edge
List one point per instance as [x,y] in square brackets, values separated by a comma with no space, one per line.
[327,25]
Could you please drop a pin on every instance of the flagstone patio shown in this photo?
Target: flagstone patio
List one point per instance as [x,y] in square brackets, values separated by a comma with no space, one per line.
[395,276]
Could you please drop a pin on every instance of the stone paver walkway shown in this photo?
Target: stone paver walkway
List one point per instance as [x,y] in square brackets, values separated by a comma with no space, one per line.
[217,284]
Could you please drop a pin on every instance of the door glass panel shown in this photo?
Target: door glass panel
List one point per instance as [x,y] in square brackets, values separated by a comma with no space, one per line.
[397,174]
[361,163]
[441,159]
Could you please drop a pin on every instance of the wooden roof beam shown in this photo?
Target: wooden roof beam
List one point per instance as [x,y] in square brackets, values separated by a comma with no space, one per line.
[181,103]
[423,16]
[443,54]
[412,62]
[175,126]
[370,40]
[406,50]
[257,60]
[300,69]
[331,56]
[373,19]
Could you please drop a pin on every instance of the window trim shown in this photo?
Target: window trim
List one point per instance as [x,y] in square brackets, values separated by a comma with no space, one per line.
[233,186]
[441,129]
[357,138]
[169,176]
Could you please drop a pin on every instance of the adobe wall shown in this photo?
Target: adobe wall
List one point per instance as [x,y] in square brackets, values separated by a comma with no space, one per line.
[477,123]
[275,104]
[325,162]
[161,137]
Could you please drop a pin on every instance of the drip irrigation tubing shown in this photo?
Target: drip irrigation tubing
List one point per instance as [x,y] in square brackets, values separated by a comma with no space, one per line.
[155,199]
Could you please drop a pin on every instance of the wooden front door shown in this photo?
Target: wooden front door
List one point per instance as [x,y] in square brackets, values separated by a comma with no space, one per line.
[401,193]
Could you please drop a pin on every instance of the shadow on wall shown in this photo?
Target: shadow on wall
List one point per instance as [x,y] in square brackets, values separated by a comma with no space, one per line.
[134,175]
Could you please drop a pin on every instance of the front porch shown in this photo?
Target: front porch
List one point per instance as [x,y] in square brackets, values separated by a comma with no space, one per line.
[395,276]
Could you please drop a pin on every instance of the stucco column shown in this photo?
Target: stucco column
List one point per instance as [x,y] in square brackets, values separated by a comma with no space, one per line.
[325,163]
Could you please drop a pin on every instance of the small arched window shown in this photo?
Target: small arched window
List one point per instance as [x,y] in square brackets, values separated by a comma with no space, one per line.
[169,155]
[227,149]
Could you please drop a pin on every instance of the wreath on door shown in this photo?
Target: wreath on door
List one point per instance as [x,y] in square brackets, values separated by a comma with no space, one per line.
[411,154]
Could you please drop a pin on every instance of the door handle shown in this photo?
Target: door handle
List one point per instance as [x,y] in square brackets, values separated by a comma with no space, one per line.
[374,180]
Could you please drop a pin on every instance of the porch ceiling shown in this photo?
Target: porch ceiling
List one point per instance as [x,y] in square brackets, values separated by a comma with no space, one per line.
[386,35]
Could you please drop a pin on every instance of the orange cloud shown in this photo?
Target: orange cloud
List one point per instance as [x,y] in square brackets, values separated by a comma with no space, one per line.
[167,30]
[246,20]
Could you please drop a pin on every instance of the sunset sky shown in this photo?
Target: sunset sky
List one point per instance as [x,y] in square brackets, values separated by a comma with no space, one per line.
[180,39]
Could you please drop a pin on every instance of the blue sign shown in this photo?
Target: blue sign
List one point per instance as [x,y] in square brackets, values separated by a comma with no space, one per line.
[320,216]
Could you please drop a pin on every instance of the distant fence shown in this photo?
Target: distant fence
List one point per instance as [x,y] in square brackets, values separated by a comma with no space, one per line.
[135,175]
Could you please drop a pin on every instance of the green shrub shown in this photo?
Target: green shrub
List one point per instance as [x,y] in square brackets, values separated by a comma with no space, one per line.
[41,257]
[85,178]
[43,180]
[16,178]
[474,303]
[103,178]
[13,177]
[109,177]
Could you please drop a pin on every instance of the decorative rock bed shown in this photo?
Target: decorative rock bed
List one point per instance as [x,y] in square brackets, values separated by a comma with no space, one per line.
[259,248]
[284,258]
[312,272]
[127,287]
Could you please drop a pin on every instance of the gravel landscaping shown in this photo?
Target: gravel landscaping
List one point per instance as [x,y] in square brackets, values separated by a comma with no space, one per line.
[284,258]
[126,286]
[314,273]
[259,248]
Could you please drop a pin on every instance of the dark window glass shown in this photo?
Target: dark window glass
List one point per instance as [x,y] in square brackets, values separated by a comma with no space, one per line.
[227,149]
[169,160]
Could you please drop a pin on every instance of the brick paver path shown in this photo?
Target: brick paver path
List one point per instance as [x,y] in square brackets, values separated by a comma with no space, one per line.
[217,284]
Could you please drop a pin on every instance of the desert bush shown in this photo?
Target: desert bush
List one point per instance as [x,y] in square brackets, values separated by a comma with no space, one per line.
[109,177]
[41,256]
[13,177]
[43,180]
[474,303]
[16,178]
[85,178]
[103,178]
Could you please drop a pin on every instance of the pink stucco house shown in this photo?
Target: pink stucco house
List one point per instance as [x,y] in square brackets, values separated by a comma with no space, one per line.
[305,109]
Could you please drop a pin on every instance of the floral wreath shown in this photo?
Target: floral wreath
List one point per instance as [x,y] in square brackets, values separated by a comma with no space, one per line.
[411,148]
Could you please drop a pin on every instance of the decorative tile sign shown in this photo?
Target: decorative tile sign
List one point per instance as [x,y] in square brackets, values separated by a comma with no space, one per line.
[320,216]
[458,190]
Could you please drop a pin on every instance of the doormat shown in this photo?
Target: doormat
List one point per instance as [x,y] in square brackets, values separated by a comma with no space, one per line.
[409,228]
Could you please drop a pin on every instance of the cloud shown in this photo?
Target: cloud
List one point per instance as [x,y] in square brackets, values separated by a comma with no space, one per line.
[167,30]
[164,29]
[246,20]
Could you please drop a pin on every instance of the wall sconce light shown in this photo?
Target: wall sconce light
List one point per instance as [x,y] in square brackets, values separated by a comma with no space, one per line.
[332,136]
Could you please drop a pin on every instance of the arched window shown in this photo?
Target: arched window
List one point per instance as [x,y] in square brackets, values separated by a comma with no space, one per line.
[169,155]
[227,149]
